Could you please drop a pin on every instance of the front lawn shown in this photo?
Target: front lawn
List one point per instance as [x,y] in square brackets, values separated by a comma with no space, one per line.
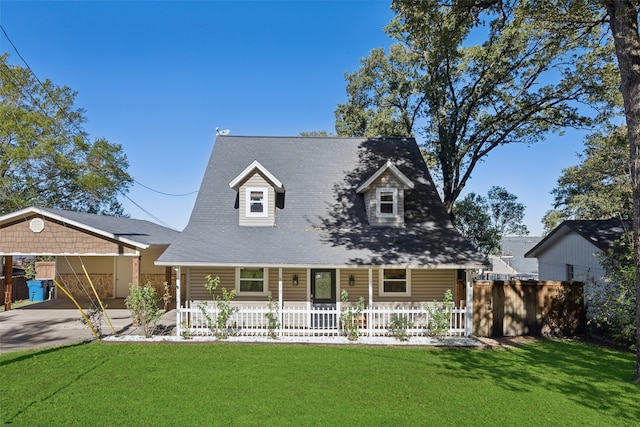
[547,383]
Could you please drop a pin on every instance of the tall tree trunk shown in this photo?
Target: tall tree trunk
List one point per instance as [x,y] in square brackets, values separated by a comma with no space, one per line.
[623,19]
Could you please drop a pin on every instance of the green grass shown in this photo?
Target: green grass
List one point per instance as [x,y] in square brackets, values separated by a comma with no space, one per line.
[547,383]
[17,304]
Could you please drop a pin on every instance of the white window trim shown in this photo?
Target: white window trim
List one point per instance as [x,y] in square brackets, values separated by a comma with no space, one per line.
[394,191]
[381,291]
[265,202]
[265,287]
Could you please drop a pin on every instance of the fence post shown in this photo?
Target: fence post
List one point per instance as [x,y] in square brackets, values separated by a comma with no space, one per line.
[468,317]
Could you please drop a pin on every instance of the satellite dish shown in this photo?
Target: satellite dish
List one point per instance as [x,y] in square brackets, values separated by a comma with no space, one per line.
[222,132]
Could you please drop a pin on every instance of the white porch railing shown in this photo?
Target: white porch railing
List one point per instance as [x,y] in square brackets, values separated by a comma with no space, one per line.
[195,320]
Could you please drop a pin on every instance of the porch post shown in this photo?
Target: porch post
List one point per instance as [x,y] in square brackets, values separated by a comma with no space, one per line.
[279,299]
[167,278]
[8,282]
[178,303]
[370,313]
[468,317]
[135,266]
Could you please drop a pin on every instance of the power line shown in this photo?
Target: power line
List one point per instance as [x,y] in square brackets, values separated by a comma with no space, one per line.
[81,132]
[163,193]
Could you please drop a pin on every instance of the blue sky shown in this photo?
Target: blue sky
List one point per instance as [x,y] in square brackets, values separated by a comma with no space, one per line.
[158,77]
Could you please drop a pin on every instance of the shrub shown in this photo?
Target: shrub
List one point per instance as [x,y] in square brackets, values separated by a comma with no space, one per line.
[614,302]
[142,302]
[440,315]
[223,305]
[349,318]
[272,316]
[399,325]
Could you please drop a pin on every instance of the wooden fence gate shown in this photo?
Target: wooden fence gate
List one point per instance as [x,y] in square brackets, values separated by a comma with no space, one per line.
[512,308]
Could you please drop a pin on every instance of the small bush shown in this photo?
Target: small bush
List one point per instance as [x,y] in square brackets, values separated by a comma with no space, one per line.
[142,302]
[440,316]
[399,325]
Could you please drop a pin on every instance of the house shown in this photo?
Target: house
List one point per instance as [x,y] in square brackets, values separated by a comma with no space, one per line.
[115,251]
[570,252]
[511,263]
[307,218]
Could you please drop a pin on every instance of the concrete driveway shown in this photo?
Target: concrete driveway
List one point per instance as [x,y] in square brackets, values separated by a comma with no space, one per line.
[58,322]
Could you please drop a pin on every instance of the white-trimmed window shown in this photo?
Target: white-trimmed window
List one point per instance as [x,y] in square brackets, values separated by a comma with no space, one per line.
[386,202]
[252,280]
[257,201]
[395,281]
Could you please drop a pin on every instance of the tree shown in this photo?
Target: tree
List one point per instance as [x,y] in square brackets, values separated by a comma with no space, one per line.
[470,76]
[620,19]
[600,186]
[623,22]
[485,221]
[46,158]
[316,133]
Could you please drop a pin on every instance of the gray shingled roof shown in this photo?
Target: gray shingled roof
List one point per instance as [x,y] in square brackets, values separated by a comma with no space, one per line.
[601,233]
[323,220]
[134,230]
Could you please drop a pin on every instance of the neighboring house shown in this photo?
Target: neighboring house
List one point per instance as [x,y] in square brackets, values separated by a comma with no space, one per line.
[570,252]
[115,251]
[305,218]
[511,264]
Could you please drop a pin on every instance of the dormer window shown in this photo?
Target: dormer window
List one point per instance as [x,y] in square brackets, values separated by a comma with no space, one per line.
[387,202]
[384,194]
[256,198]
[257,201]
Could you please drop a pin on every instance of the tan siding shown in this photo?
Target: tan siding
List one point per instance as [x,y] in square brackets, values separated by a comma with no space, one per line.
[147,259]
[427,285]
[197,278]
[386,180]
[293,293]
[257,180]
[361,287]
[430,285]
[93,264]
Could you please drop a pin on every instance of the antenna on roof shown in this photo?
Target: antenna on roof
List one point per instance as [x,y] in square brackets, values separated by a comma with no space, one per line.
[222,132]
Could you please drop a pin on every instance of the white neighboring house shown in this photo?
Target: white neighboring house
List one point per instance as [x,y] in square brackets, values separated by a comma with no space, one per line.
[570,252]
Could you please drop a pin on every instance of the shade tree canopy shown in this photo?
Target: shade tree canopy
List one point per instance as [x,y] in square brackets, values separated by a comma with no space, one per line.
[466,77]
[46,158]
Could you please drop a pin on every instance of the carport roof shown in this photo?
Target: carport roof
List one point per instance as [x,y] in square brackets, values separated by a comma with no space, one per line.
[139,233]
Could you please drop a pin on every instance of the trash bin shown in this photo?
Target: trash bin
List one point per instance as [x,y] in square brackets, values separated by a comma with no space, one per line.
[36,291]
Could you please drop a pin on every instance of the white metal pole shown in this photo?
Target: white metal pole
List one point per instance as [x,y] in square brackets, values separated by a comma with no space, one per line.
[280,299]
[370,314]
[468,318]
[178,303]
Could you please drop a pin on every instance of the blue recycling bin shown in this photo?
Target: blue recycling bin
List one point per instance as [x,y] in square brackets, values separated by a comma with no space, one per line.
[36,291]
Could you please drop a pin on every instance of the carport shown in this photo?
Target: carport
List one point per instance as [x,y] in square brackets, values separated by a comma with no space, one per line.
[115,251]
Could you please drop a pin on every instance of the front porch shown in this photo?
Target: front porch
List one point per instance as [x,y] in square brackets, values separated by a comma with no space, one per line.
[310,303]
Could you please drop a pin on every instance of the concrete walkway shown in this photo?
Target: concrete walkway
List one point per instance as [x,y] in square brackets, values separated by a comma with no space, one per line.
[58,322]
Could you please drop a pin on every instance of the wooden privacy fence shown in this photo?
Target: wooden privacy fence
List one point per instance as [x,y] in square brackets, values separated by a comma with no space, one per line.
[19,289]
[512,308]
